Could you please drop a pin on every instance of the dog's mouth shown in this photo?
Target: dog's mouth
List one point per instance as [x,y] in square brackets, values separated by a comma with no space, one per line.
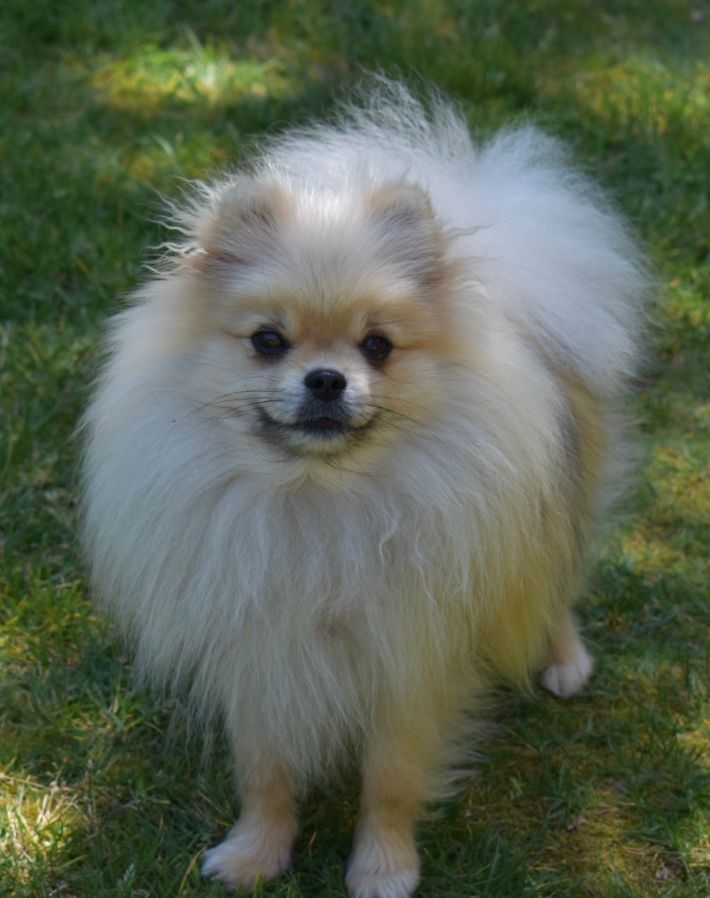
[321,427]
[318,429]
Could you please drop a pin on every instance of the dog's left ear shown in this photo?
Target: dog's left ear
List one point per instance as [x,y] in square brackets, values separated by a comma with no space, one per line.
[410,232]
[402,203]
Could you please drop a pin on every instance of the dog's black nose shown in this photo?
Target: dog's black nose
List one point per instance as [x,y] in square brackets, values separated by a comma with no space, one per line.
[325,384]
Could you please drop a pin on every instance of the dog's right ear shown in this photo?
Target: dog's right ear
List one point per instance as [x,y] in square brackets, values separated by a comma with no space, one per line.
[241,220]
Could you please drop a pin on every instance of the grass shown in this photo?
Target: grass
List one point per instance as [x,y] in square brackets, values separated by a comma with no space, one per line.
[105,104]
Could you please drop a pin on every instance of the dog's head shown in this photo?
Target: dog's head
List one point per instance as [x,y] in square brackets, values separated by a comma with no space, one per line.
[326,317]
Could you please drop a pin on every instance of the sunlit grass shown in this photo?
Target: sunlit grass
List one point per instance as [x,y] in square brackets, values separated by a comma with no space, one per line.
[38,822]
[151,77]
[109,104]
[648,95]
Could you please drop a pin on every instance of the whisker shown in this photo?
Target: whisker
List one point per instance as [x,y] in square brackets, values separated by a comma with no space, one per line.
[395,413]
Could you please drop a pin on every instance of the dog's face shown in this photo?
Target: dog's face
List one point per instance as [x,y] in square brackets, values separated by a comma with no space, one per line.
[327,320]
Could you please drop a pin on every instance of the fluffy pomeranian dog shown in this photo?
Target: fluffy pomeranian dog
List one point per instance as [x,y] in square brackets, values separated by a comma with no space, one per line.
[348,452]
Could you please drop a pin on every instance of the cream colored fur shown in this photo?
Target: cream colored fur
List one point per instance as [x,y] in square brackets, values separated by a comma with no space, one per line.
[326,597]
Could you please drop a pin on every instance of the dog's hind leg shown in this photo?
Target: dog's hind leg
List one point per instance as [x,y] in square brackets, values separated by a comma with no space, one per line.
[569,665]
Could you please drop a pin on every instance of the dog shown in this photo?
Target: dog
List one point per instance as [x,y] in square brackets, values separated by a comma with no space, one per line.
[348,453]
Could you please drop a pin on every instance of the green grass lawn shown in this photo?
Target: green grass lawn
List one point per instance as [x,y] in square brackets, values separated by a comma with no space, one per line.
[107,104]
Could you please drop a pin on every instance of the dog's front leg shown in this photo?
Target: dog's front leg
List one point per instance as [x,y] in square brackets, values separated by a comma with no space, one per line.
[259,846]
[399,759]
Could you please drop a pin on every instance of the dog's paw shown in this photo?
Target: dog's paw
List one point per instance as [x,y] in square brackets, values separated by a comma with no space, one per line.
[567,678]
[248,854]
[379,870]
[383,885]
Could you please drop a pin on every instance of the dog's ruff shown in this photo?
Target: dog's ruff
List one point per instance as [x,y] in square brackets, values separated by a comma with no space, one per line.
[359,591]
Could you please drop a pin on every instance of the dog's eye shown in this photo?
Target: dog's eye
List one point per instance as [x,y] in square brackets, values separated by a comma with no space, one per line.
[376,348]
[269,342]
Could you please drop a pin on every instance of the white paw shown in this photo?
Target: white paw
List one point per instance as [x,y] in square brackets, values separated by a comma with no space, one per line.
[248,854]
[380,869]
[567,678]
[382,885]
